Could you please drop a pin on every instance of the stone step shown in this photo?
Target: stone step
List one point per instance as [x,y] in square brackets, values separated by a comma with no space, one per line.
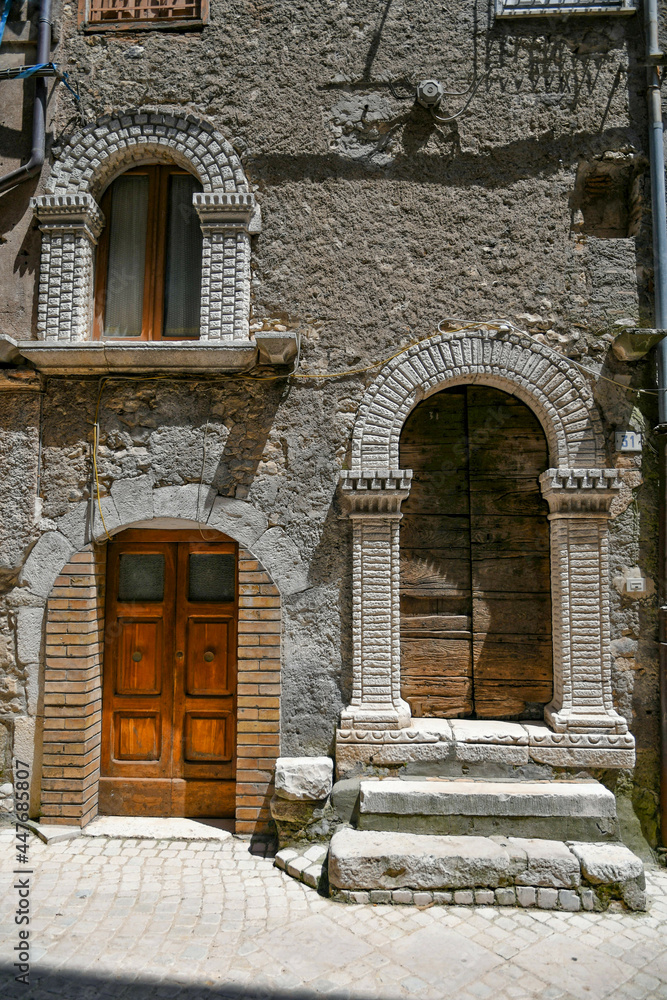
[505,870]
[554,810]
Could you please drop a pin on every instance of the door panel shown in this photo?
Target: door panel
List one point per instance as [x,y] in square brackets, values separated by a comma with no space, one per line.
[137,736]
[140,656]
[169,704]
[475,587]
[208,660]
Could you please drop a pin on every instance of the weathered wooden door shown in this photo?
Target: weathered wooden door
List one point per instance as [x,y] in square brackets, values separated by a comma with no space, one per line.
[169,693]
[475,581]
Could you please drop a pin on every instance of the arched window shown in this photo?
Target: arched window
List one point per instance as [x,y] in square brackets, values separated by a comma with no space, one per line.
[149,257]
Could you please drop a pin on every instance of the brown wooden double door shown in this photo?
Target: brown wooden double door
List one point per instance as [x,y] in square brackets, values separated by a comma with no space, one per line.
[169,693]
[475,575]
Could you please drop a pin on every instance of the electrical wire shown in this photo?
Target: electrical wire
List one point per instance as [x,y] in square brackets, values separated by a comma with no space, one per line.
[459,326]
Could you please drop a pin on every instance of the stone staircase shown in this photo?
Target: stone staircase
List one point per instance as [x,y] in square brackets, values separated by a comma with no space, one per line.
[553,844]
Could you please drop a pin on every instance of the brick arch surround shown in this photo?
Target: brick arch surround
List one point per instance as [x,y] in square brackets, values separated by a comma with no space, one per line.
[71,220]
[73,691]
[578,488]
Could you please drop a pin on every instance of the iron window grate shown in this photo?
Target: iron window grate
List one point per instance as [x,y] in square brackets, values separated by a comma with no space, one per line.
[535,8]
[122,11]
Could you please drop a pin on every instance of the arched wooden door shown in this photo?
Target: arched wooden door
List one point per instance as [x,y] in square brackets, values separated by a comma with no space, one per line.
[475,578]
[169,686]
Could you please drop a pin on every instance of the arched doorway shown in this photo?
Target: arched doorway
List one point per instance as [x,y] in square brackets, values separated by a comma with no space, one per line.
[170,675]
[475,580]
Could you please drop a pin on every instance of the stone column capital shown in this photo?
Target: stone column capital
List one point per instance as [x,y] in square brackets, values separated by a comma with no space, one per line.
[579,492]
[374,493]
[227,210]
[73,213]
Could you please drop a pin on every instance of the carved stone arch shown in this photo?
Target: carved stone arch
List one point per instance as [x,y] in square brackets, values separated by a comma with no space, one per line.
[578,488]
[94,153]
[71,220]
[548,383]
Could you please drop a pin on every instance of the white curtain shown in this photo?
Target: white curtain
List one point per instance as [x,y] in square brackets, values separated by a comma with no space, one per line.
[127,256]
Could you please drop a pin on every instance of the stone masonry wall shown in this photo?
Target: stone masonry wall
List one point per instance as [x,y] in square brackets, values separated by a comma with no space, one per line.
[377,224]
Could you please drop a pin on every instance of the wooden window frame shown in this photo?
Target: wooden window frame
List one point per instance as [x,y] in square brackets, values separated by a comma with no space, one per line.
[143,24]
[155,261]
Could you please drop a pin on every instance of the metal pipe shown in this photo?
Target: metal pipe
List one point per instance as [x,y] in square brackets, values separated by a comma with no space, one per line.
[654,57]
[36,161]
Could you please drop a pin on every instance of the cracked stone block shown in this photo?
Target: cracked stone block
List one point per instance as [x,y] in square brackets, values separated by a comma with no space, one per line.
[607,863]
[568,899]
[547,899]
[505,897]
[304,779]
[549,863]
[525,895]
[380,896]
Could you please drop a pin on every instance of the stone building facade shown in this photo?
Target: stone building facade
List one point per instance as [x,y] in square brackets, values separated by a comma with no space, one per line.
[360,255]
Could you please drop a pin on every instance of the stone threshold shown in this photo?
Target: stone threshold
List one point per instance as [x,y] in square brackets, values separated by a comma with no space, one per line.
[137,828]
[480,741]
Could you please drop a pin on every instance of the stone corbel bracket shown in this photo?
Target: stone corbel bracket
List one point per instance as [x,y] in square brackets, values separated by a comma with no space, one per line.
[579,491]
[375,491]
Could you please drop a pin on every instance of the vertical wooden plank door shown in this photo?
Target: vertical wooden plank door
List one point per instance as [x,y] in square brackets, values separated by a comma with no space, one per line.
[169,691]
[475,588]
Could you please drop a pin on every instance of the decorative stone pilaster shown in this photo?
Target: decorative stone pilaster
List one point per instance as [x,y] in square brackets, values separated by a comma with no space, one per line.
[579,502]
[227,219]
[71,225]
[373,500]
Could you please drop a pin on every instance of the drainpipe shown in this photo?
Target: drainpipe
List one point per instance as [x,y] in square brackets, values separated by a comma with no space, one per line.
[654,58]
[36,161]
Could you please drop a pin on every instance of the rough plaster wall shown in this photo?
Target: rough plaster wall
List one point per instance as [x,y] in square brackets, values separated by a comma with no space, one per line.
[377,223]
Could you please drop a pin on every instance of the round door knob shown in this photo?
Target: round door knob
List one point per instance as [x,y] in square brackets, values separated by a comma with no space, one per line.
[136,656]
[208,655]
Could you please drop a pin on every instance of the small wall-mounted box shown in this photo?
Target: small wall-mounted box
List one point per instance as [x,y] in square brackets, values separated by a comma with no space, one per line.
[633,583]
[628,441]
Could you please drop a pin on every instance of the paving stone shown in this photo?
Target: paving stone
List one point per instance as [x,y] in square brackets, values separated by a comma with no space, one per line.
[464,897]
[442,898]
[505,897]
[402,896]
[569,900]
[296,866]
[317,853]
[312,875]
[588,899]
[282,857]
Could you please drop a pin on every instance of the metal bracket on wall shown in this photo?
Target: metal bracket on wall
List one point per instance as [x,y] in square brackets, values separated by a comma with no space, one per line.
[632,345]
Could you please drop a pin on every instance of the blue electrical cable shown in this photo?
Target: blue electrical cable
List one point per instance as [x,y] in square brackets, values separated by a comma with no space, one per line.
[3,19]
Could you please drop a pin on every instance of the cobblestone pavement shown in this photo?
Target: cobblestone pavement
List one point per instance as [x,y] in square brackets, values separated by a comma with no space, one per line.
[148,919]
